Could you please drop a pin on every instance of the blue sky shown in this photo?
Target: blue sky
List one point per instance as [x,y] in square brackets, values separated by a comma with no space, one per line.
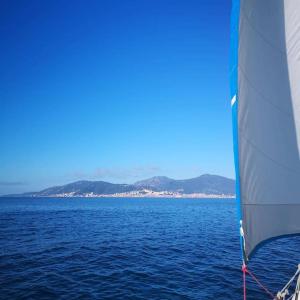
[113,90]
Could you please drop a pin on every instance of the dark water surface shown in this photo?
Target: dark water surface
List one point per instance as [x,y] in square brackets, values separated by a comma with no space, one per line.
[131,249]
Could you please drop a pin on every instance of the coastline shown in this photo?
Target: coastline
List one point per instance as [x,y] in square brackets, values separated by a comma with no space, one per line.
[132,195]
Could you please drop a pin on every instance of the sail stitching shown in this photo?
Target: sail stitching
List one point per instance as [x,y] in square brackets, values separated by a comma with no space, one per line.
[282,52]
[262,95]
[265,155]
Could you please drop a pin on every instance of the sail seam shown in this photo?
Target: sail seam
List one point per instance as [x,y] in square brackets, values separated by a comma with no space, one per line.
[264,154]
[261,35]
[284,53]
[265,99]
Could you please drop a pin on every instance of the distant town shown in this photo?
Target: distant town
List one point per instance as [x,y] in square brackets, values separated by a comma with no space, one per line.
[142,194]
[204,186]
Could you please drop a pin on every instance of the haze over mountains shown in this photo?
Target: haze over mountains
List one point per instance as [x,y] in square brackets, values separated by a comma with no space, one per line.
[160,185]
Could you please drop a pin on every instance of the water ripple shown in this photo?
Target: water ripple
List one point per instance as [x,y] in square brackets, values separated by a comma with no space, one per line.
[130,249]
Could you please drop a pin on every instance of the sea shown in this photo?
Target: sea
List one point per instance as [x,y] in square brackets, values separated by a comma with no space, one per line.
[129,248]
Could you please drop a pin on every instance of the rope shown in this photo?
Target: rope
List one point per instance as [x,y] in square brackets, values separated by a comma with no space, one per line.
[286,287]
[244,268]
[245,271]
[290,298]
[260,284]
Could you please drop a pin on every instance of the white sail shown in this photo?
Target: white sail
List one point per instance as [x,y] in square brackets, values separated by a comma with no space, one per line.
[266,117]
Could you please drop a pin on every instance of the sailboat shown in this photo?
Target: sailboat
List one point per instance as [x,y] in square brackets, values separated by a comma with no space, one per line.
[265,100]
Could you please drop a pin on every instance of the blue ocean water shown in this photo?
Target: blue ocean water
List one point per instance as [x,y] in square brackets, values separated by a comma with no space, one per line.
[131,249]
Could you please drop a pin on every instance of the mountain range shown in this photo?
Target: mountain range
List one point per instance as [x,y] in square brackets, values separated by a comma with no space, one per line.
[205,184]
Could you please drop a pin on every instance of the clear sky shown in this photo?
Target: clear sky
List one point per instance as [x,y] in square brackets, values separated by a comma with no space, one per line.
[113,90]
